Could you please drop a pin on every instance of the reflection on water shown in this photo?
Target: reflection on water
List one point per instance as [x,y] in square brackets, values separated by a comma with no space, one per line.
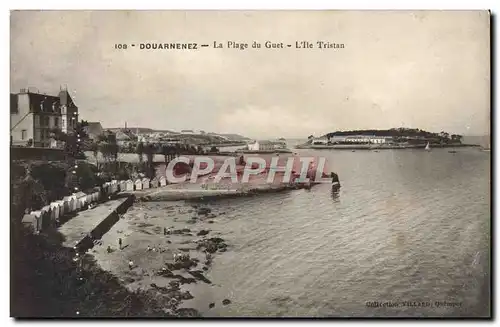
[406,225]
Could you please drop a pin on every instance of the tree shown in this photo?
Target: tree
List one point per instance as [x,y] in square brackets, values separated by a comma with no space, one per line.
[167,152]
[94,147]
[109,150]
[140,152]
[149,149]
[214,149]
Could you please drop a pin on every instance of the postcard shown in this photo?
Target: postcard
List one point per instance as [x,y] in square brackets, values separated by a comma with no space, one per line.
[275,164]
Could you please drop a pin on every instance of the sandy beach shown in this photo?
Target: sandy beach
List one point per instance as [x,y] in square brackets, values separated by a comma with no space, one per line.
[193,229]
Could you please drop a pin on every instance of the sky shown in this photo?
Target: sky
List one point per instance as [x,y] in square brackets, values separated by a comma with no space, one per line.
[416,69]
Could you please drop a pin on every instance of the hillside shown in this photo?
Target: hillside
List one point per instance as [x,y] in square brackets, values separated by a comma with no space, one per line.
[235,137]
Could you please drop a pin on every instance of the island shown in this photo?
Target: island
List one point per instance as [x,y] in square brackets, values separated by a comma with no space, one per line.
[394,138]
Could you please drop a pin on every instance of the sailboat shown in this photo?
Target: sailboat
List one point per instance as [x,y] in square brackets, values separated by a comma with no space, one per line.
[427,147]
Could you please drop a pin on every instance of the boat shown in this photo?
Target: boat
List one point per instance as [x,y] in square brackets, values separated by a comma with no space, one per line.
[427,147]
[452,151]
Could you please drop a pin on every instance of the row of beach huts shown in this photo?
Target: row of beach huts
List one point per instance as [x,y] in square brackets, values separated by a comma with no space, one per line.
[53,213]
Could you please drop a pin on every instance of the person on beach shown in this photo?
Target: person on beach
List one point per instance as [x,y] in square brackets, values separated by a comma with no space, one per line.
[120,242]
[164,231]
[148,248]
[335,178]
[130,264]
[109,249]
[208,256]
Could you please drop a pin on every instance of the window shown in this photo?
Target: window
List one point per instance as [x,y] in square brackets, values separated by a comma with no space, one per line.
[56,122]
[23,134]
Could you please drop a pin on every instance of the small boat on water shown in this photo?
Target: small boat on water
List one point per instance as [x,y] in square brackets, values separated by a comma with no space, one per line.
[452,151]
[427,147]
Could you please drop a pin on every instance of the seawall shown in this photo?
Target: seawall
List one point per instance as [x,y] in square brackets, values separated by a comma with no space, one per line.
[89,225]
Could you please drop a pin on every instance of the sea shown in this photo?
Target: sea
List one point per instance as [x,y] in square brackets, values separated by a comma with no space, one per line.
[407,235]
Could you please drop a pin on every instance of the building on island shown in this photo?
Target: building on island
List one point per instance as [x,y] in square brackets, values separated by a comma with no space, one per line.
[34,115]
[261,146]
[320,141]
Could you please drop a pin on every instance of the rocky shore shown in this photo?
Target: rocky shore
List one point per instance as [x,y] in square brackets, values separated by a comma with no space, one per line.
[153,234]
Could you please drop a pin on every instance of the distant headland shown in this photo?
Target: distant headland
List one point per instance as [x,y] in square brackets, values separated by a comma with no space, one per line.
[394,138]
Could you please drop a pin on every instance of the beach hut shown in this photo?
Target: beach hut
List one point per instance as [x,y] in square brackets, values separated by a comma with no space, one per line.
[73,203]
[55,211]
[138,184]
[155,182]
[45,216]
[129,185]
[61,208]
[37,225]
[94,196]
[163,181]
[123,186]
[145,183]
[29,221]
[81,199]
[89,198]
[98,191]
[106,190]
[67,204]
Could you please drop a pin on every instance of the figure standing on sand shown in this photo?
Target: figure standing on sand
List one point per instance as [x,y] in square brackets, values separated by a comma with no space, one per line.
[335,178]
[120,242]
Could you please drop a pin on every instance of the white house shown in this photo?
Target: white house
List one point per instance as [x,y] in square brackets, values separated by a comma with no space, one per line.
[254,146]
[320,141]
[358,139]
[378,140]
[261,146]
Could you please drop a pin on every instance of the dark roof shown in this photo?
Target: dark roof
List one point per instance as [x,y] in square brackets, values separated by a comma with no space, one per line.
[66,99]
[44,103]
[13,104]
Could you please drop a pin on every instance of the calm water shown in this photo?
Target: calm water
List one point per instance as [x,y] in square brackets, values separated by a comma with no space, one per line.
[407,225]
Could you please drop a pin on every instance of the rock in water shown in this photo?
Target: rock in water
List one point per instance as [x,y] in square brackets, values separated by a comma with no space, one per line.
[226,301]
[203,232]
[211,305]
